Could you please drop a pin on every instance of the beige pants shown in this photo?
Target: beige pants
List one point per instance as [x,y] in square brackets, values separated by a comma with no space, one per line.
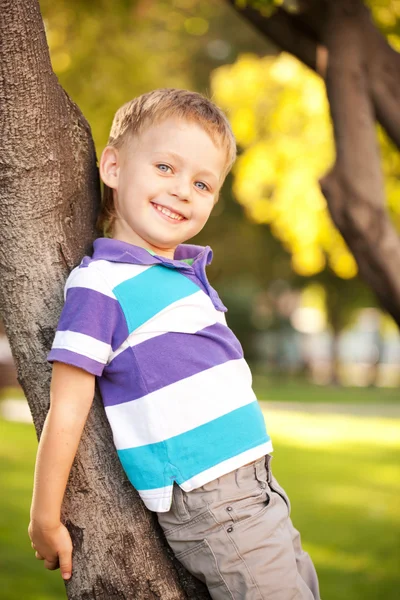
[235,535]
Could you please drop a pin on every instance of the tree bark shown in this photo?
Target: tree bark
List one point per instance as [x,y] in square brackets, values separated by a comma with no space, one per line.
[362,73]
[49,195]
[354,188]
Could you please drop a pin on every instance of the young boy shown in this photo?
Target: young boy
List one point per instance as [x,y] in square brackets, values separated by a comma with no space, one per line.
[141,316]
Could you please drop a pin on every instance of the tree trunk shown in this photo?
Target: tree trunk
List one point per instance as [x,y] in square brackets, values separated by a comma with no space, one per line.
[49,194]
[335,321]
[362,72]
[354,188]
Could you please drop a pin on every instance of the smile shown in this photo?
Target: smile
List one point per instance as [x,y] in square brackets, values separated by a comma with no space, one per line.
[171,215]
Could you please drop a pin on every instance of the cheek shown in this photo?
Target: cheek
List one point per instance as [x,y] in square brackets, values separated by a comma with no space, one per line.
[205,210]
[135,182]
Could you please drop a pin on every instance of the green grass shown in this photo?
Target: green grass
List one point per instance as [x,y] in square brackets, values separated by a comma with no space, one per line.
[342,475]
[299,390]
[22,576]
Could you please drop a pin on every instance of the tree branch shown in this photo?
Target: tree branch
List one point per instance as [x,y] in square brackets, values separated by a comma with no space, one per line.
[301,35]
[354,188]
[285,31]
[383,68]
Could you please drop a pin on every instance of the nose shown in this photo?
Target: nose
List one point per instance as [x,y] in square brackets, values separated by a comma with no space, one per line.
[181,188]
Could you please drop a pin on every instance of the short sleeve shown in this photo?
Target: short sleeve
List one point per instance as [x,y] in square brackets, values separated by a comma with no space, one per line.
[91,326]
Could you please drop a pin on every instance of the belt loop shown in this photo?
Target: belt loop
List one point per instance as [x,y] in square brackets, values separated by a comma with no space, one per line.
[180,508]
[261,472]
[268,459]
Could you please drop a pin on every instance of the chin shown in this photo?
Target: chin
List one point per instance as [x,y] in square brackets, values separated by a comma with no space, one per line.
[163,244]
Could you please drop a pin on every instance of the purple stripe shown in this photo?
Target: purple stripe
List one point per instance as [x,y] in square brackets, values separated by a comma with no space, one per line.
[122,380]
[166,359]
[204,284]
[76,360]
[92,313]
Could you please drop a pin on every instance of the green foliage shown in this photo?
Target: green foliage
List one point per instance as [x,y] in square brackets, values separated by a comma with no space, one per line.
[105,53]
[386,14]
[265,7]
[280,117]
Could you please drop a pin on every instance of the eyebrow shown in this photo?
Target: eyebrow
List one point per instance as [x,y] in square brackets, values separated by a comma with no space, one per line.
[179,158]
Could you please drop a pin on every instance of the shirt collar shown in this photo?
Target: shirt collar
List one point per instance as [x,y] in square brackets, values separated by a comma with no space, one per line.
[118,251]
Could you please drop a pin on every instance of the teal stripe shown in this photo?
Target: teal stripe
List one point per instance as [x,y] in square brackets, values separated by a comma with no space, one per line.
[196,450]
[145,295]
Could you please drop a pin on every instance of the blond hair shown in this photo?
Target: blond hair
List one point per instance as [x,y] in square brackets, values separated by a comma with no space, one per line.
[137,114]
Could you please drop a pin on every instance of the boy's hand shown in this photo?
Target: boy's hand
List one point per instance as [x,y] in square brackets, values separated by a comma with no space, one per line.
[53,545]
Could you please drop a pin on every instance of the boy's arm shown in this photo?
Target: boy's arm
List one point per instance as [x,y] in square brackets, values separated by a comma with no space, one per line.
[71,396]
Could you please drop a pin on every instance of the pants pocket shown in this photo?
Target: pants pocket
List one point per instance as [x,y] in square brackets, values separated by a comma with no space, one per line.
[200,560]
[275,487]
[245,508]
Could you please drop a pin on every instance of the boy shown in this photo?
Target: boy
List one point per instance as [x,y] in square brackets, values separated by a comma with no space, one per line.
[141,315]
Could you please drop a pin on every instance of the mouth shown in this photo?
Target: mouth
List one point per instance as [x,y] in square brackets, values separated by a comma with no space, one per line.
[168,213]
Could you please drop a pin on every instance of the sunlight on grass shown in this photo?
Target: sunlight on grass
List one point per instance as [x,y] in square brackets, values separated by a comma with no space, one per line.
[345,561]
[342,475]
[327,431]
[353,496]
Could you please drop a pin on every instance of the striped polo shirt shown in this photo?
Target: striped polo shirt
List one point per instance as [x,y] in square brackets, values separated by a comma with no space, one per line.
[176,388]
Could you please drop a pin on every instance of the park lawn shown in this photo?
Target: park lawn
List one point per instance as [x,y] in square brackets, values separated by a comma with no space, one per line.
[297,389]
[341,473]
[22,576]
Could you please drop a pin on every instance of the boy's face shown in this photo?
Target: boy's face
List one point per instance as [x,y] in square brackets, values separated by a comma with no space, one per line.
[166,182]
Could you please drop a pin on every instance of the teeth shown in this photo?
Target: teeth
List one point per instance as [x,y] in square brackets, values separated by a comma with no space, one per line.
[168,212]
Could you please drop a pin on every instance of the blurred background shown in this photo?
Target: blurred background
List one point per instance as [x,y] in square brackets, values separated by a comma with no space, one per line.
[325,358]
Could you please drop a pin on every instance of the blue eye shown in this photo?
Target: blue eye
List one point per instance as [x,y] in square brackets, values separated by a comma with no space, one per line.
[204,187]
[163,168]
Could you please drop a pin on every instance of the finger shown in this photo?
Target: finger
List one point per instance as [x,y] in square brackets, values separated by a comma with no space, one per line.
[39,556]
[65,560]
[33,545]
[52,565]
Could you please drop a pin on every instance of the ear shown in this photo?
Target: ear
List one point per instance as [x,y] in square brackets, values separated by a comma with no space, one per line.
[109,166]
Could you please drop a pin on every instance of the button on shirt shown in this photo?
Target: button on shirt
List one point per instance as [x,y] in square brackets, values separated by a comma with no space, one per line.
[175,386]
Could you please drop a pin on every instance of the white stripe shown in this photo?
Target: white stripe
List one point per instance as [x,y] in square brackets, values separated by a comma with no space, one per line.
[187,315]
[157,500]
[156,492]
[116,273]
[181,406]
[90,278]
[102,276]
[82,344]
[227,466]
[221,318]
